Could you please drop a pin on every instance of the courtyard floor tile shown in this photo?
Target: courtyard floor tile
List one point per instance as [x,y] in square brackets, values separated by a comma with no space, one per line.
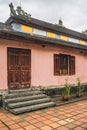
[66,117]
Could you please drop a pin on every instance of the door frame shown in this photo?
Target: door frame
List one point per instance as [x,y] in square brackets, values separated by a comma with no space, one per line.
[9,49]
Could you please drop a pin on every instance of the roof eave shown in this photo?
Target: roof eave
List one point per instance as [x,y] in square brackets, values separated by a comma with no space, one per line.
[17,36]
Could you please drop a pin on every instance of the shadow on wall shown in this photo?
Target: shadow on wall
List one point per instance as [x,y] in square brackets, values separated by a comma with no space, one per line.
[0,100]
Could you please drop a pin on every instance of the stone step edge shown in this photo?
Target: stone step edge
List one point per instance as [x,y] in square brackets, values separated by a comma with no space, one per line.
[25,98]
[32,108]
[28,103]
[24,89]
[13,95]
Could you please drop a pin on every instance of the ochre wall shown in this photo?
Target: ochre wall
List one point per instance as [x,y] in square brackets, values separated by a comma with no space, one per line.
[42,64]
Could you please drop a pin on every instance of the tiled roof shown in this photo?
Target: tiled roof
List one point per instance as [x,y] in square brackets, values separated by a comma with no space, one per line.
[4,26]
[47,26]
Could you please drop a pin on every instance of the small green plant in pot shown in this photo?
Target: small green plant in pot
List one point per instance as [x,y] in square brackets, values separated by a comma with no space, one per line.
[66,91]
[79,91]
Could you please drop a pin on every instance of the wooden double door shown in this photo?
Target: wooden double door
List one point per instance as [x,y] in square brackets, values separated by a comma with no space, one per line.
[19,68]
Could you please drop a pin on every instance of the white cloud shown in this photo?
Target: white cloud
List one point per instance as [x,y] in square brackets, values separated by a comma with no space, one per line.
[73,12]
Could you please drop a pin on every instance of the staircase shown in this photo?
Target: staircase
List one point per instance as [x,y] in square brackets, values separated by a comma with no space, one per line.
[26,100]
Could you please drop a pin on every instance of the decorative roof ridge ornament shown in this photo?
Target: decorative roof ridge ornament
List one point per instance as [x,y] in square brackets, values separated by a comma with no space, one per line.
[60,22]
[12,11]
[18,12]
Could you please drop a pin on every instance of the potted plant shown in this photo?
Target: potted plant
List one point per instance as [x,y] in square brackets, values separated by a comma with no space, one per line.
[79,91]
[66,92]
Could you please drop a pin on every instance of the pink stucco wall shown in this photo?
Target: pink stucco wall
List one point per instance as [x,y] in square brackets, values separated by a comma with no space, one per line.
[42,64]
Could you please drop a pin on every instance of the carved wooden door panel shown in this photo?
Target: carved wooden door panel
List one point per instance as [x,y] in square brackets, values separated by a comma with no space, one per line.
[19,68]
[25,68]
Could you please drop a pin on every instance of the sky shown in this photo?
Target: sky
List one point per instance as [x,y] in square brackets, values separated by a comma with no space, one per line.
[72,12]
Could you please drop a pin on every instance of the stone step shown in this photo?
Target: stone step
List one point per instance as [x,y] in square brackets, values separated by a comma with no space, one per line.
[20,90]
[21,94]
[32,107]
[28,103]
[25,98]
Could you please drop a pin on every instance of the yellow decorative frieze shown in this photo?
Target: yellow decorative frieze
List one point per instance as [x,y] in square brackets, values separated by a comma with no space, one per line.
[65,38]
[82,42]
[31,30]
[50,34]
[26,29]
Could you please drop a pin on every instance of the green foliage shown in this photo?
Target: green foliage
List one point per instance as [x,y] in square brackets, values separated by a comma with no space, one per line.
[67,89]
[79,87]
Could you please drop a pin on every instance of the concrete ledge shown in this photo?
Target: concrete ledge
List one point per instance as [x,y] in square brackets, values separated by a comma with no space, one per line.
[58,100]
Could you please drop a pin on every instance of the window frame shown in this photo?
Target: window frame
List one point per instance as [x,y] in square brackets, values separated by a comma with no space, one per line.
[59,70]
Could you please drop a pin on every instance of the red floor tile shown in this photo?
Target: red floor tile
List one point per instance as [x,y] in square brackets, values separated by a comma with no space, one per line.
[66,117]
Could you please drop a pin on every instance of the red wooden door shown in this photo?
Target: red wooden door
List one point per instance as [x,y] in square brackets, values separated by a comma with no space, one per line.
[19,68]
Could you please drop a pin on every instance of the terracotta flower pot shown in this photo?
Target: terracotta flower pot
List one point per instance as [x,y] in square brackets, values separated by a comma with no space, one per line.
[66,98]
[79,94]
